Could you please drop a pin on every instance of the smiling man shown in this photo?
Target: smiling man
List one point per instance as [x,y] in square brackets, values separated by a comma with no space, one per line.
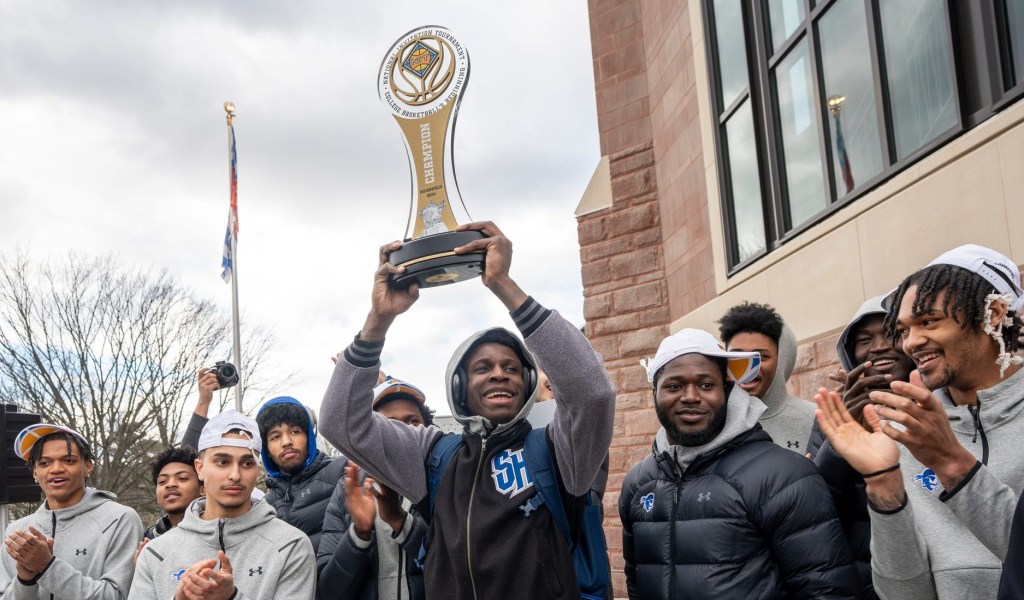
[489,538]
[79,543]
[942,500]
[300,477]
[177,485]
[717,510]
[228,546]
[758,328]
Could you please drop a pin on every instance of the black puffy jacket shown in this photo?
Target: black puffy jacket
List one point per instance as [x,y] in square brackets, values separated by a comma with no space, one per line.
[748,520]
[301,500]
[851,500]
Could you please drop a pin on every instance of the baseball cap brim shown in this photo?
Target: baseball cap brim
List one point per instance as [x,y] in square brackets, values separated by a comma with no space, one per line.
[393,389]
[28,437]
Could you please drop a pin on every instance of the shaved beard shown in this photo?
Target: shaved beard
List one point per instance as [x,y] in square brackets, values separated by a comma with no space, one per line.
[699,438]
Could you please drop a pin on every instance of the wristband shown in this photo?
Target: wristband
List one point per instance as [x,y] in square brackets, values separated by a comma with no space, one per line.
[882,472]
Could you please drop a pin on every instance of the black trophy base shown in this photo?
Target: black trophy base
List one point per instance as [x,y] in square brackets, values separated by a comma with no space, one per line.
[431,261]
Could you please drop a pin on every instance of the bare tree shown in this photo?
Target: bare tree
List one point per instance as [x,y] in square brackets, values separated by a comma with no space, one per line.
[112,353]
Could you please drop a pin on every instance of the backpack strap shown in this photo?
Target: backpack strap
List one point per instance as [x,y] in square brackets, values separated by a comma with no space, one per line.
[545,477]
[440,455]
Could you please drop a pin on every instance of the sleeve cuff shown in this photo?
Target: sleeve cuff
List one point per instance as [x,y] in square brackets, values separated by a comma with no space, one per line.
[357,541]
[906,498]
[530,316]
[948,494]
[364,354]
[400,535]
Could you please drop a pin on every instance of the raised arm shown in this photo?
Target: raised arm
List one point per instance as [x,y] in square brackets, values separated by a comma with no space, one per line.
[390,451]
[582,430]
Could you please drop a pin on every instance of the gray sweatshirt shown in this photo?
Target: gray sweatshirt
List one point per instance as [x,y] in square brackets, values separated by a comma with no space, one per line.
[93,544]
[788,418]
[269,558]
[394,452]
[951,543]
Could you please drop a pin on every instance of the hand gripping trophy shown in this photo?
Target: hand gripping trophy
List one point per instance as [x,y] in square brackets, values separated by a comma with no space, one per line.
[422,80]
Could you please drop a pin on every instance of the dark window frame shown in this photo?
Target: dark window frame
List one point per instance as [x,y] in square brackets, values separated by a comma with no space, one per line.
[982,66]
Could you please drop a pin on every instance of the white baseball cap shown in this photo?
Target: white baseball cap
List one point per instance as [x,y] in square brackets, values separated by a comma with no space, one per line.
[743,366]
[993,266]
[227,421]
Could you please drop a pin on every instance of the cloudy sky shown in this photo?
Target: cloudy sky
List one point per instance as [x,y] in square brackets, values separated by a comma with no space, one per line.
[112,140]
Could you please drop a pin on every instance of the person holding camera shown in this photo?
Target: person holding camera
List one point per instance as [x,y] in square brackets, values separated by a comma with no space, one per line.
[220,376]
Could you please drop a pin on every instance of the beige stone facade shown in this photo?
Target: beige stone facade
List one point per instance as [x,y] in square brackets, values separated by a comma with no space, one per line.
[651,232]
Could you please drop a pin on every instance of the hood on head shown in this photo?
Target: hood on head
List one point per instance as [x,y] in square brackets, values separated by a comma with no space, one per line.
[311,450]
[785,362]
[872,306]
[456,386]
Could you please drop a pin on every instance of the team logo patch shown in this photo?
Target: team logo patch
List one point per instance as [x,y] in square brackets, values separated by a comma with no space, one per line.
[647,501]
[927,479]
[508,469]
[177,575]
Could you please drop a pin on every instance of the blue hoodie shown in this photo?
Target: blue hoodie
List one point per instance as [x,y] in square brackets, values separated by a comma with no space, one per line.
[301,499]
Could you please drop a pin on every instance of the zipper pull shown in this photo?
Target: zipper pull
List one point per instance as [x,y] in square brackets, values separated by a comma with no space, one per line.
[976,417]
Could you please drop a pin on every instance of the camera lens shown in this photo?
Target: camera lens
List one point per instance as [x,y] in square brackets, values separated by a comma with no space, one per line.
[227,371]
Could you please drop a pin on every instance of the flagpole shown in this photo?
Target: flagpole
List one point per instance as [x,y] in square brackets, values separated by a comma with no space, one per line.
[236,352]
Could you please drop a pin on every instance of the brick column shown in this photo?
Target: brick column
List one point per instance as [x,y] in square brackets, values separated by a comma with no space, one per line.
[626,308]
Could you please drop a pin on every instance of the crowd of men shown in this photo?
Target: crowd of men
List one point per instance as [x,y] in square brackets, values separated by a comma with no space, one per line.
[903,484]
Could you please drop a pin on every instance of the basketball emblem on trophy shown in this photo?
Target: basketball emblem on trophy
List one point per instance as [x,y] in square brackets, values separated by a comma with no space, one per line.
[422,79]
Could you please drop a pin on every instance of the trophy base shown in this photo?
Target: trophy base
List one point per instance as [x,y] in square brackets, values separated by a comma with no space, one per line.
[431,261]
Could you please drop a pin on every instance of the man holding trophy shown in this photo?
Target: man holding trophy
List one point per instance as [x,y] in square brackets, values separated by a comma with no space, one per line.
[490,535]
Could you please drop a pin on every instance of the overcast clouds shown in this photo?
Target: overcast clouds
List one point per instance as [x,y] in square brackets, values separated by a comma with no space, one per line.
[112,140]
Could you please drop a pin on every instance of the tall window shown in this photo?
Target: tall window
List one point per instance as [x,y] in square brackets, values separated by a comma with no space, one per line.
[819,101]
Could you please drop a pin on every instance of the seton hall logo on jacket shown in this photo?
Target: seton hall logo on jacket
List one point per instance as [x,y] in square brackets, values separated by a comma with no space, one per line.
[927,479]
[508,469]
[647,501]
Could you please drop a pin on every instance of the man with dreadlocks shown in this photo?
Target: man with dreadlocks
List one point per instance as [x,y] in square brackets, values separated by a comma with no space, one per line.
[941,503]
[79,543]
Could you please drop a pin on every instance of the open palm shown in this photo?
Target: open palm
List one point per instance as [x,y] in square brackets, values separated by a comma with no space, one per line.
[361,506]
[866,451]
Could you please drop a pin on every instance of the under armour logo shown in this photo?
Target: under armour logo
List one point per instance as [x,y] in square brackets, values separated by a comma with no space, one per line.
[256,571]
[647,501]
[703,496]
[508,470]
[305,493]
[81,552]
[177,575]
[792,444]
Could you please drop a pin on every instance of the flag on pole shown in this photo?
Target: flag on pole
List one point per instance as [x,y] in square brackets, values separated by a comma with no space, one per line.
[231,235]
[844,158]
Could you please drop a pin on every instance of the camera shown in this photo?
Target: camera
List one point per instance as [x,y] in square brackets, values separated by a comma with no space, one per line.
[227,374]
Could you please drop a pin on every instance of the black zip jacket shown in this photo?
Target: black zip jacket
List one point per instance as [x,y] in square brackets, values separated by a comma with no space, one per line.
[749,520]
[347,571]
[301,500]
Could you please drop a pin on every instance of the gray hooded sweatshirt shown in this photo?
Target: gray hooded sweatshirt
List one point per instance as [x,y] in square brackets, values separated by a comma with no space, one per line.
[269,558]
[93,544]
[788,419]
[951,543]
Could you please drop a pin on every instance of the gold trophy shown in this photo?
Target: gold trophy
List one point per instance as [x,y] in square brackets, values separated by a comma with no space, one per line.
[422,80]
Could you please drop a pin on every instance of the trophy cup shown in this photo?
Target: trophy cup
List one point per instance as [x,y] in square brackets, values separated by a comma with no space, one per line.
[422,80]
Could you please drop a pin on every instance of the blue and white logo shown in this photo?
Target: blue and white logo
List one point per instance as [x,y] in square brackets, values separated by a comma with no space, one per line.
[927,479]
[508,469]
[647,501]
[177,575]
